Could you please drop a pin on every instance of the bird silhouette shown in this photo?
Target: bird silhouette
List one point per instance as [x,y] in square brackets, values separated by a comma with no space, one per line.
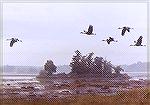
[138,42]
[89,32]
[110,39]
[13,40]
[124,29]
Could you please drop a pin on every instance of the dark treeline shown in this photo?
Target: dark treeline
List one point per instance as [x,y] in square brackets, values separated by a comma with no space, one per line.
[85,65]
[88,65]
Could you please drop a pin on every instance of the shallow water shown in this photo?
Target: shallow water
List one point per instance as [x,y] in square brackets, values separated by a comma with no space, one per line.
[28,78]
[138,75]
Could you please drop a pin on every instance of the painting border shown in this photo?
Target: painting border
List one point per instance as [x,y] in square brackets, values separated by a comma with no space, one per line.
[74,1]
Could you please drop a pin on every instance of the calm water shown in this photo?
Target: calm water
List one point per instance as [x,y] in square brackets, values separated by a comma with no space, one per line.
[18,77]
[134,75]
[138,75]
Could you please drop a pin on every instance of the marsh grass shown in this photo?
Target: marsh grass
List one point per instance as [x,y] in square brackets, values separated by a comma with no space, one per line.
[139,96]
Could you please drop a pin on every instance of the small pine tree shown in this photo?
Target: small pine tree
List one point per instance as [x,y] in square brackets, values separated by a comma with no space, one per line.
[49,67]
[75,64]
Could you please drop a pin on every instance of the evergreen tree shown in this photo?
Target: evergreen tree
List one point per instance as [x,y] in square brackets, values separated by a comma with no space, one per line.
[75,64]
[118,69]
[49,67]
[97,65]
[89,59]
[88,65]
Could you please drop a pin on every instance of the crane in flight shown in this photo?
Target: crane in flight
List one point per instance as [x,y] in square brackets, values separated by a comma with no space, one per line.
[13,40]
[110,39]
[89,32]
[138,42]
[124,29]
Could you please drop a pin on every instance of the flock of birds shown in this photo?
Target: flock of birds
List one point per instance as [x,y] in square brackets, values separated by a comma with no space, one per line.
[90,32]
[110,39]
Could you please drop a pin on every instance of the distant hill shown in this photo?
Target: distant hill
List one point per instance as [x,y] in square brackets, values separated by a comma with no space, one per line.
[31,69]
[136,67]
[21,69]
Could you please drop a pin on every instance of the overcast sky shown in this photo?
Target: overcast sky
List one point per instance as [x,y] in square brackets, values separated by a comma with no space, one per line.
[52,31]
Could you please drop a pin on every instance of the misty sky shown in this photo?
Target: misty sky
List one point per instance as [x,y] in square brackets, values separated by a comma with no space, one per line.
[52,31]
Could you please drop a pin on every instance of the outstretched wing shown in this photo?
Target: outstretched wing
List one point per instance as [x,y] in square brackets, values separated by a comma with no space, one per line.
[8,39]
[128,29]
[90,29]
[111,39]
[123,31]
[19,40]
[139,41]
